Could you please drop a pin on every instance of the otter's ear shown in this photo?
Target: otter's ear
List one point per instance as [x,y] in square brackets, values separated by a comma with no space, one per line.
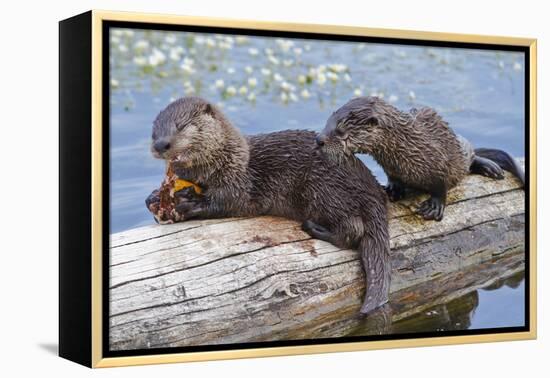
[208,109]
[372,121]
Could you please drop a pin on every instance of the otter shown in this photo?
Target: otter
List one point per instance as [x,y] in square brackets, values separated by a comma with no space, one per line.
[282,174]
[417,150]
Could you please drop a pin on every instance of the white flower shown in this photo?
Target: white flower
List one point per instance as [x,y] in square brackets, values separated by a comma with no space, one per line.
[117,32]
[266,71]
[248,69]
[307,47]
[241,40]
[338,67]
[285,44]
[501,64]
[122,48]
[170,38]
[189,89]
[231,90]
[115,39]
[285,86]
[251,97]
[517,66]
[252,82]
[297,51]
[293,96]
[332,77]
[128,33]
[187,68]
[347,78]
[219,84]
[114,83]
[176,52]
[268,51]
[253,51]
[199,40]
[210,42]
[301,79]
[412,95]
[393,98]
[141,44]
[188,61]
[288,62]
[243,90]
[231,70]
[284,97]
[321,78]
[140,60]
[273,60]
[278,77]
[225,45]
[305,93]
[357,92]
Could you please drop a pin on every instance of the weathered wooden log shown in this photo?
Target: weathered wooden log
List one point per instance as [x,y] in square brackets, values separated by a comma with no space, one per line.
[260,279]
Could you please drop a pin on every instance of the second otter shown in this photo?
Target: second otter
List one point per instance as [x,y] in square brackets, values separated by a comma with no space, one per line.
[281,173]
[416,149]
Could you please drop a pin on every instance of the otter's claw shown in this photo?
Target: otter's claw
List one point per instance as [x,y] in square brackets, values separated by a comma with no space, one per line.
[486,167]
[492,171]
[432,209]
[152,201]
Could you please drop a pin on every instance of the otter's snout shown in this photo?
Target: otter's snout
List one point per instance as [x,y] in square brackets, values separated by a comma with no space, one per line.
[161,146]
[321,140]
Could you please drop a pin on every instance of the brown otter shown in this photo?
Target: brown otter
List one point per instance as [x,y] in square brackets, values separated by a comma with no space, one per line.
[416,149]
[282,174]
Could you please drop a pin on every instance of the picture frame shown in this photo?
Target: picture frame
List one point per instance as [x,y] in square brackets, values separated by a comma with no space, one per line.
[85,236]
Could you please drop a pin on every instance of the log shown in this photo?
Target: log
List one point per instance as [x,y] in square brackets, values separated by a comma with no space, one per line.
[240,280]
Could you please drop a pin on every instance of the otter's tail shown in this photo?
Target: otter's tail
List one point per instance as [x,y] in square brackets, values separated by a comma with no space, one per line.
[504,161]
[375,254]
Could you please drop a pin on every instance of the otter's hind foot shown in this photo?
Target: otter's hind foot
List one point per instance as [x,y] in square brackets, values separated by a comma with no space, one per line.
[317,231]
[432,209]
[486,167]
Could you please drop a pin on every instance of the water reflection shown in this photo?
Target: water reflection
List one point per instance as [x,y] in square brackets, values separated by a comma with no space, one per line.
[501,304]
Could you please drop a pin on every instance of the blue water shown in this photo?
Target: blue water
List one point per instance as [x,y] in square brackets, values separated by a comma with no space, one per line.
[272,84]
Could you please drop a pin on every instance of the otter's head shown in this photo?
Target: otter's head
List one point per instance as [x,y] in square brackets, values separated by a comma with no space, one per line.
[353,128]
[190,130]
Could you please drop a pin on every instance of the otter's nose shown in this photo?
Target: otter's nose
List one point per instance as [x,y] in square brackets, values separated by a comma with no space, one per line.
[321,140]
[161,146]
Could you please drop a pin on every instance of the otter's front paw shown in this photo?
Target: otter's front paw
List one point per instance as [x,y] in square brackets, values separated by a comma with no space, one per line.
[152,202]
[189,205]
[432,209]
[395,191]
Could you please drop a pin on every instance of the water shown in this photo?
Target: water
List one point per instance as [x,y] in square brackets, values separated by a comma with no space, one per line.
[269,84]
[496,306]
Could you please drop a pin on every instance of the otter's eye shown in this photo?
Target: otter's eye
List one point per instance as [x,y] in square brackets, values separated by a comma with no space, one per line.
[339,132]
